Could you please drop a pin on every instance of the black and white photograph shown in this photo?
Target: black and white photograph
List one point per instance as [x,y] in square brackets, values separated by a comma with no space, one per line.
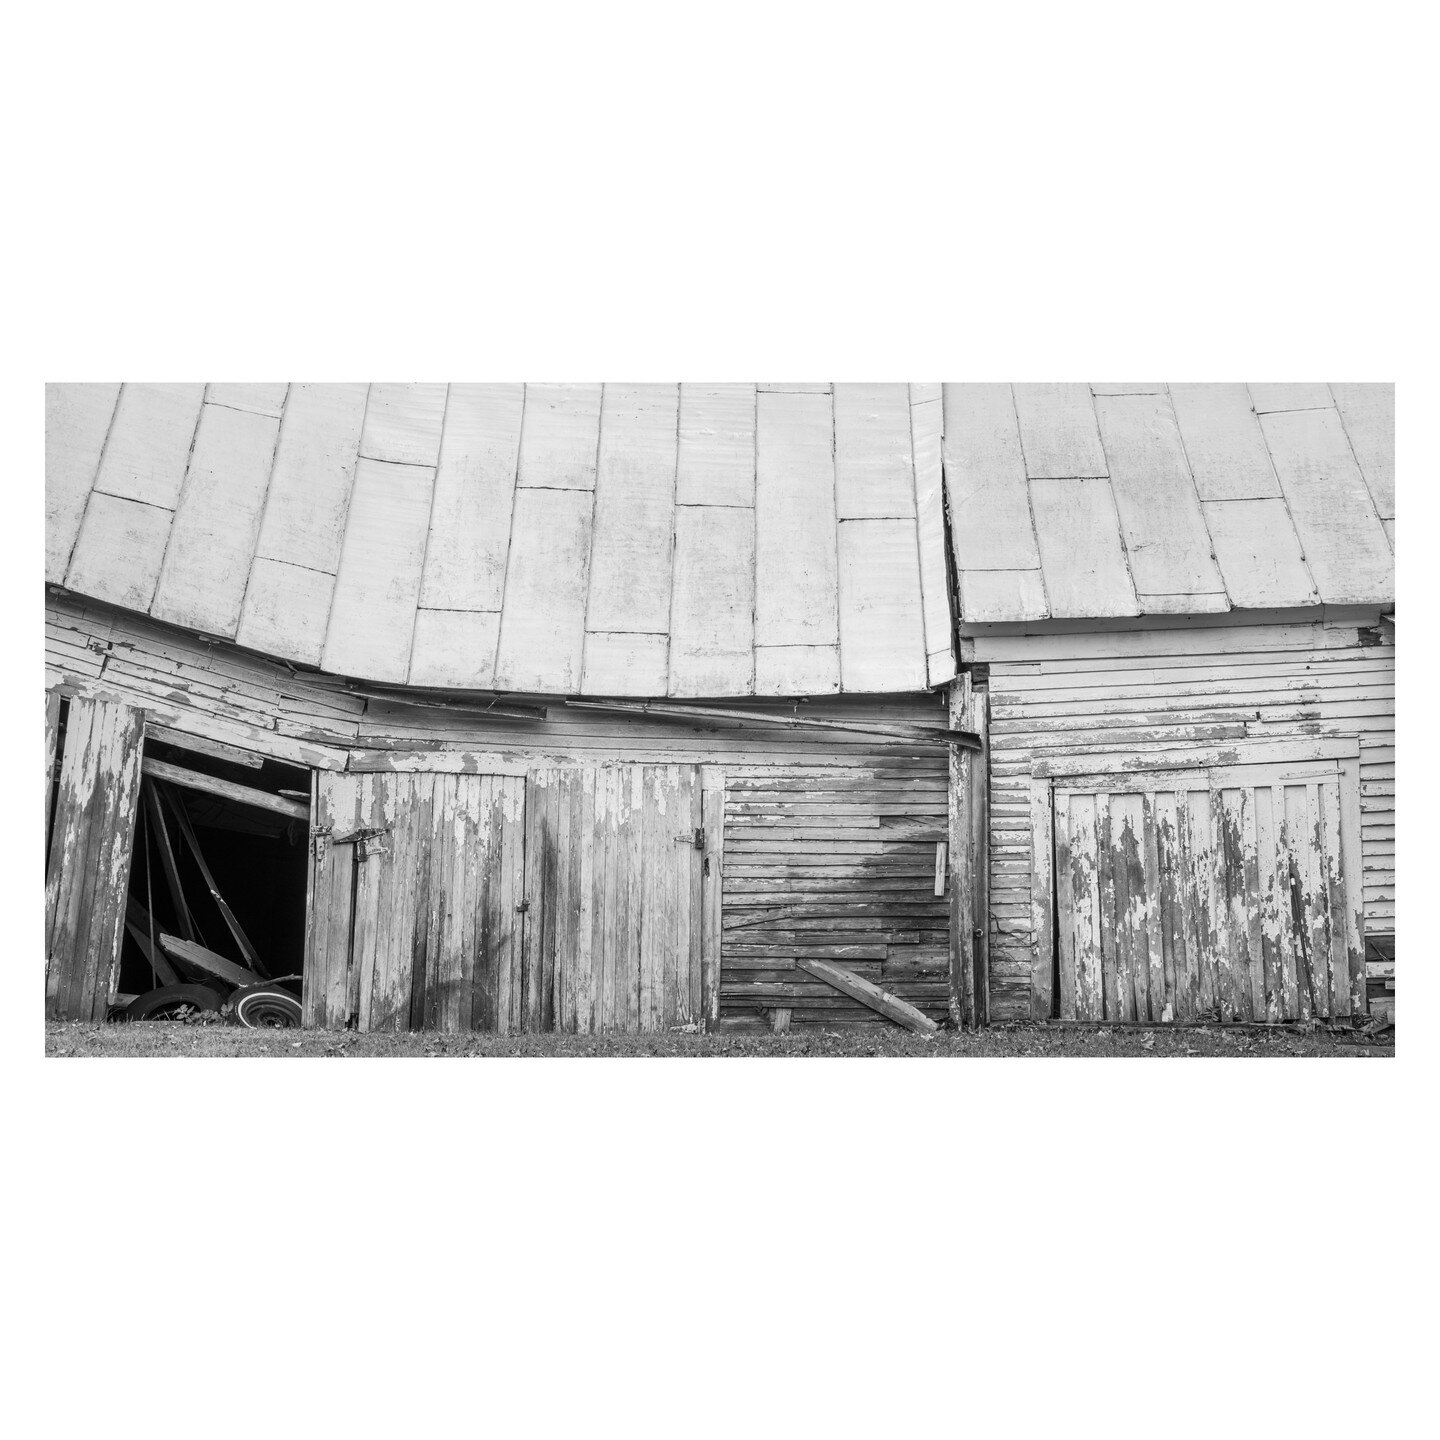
[586,890]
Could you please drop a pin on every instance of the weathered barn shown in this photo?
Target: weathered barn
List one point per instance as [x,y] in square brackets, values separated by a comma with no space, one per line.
[506,706]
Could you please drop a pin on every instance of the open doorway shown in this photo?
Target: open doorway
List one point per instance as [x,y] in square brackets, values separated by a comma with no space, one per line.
[215,914]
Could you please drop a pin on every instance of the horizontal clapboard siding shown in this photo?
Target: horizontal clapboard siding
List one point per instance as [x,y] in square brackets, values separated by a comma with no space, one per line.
[835,865]
[214,689]
[1158,692]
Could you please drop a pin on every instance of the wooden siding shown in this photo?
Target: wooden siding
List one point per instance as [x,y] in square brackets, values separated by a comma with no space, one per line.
[88,867]
[1156,693]
[223,693]
[686,539]
[834,865]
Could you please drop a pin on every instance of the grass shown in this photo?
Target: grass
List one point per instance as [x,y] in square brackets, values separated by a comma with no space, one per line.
[159,1039]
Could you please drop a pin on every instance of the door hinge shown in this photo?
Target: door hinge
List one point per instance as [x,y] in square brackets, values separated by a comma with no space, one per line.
[523,907]
[695,838]
[368,842]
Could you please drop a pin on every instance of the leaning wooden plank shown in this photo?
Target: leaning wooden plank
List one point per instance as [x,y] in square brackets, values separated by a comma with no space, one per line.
[313,473]
[372,618]
[559,436]
[926,445]
[167,862]
[1084,563]
[542,624]
[474,494]
[712,623]
[892,1007]
[1058,432]
[77,419]
[1334,514]
[795,553]
[77,805]
[1368,413]
[137,921]
[1159,511]
[874,462]
[227,789]
[212,541]
[402,424]
[882,625]
[197,957]
[1223,442]
[985,480]
[149,445]
[119,551]
[717,445]
[1259,554]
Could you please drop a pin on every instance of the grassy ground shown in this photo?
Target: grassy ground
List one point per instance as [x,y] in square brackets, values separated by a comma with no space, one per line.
[168,1038]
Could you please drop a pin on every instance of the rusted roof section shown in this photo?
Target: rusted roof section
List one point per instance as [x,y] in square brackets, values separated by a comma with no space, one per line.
[1086,501]
[632,540]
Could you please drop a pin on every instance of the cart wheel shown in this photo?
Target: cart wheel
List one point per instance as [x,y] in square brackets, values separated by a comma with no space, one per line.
[262,1007]
[173,1002]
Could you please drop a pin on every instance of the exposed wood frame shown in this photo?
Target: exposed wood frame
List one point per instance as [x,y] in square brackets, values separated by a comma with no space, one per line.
[912,734]
[1256,750]
[167,862]
[215,749]
[226,789]
[429,698]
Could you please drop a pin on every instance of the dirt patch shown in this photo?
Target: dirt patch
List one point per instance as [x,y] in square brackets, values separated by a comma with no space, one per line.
[159,1039]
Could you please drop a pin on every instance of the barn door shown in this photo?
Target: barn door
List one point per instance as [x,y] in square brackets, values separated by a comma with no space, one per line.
[88,867]
[1231,893]
[614,868]
[417,907]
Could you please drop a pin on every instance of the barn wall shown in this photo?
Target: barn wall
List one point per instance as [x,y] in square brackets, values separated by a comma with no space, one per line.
[215,689]
[1158,691]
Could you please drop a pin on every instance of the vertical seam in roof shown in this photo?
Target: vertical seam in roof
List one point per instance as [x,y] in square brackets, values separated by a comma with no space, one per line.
[835,542]
[1114,505]
[1345,431]
[179,499]
[755,544]
[590,553]
[1285,499]
[1029,509]
[919,558]
[94,479]
[674,518]
[264,508]
[345,527]
[429,530]
[1190,471]
[510,536]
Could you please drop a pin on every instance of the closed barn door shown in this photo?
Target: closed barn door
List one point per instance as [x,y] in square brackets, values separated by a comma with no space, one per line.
[841,865]
[614,873]
[1230,894]
[87,871]
[416,913]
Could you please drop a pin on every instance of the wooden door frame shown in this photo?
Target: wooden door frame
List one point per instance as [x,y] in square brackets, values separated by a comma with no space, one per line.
[1229,761]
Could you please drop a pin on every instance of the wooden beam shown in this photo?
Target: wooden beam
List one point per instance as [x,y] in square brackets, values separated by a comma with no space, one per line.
[137,922]
[199,958]
[915,734]
[215,749]
[430,698]
[167,861]
[892,1007]
[227,789]
[712,811]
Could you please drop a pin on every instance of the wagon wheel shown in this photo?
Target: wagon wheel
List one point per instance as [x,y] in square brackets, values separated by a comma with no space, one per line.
[173,1002]
[265,1007]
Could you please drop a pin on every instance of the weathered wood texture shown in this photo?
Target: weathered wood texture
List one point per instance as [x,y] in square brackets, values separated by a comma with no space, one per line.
[219,693]
[88,869]
[838,865]
[615,539]
[1208,895]
[615,928]
[1153,696]
[1090,501]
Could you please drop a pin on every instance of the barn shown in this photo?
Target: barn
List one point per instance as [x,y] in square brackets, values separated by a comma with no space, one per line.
[625,707]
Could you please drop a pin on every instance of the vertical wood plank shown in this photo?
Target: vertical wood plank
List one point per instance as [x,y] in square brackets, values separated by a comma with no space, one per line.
[1316,908]
[1252,903]
[1159,979]
[418,940]
[1352,873]
[584,843]
[538,866]
[667,852]
[1087,889]
[712,785]
[1328,856]
[1112,1004]
[1267,907]
[694,1012]
[1172,905]
[1065,910]
[652,978]
[636,966]
[1200,901]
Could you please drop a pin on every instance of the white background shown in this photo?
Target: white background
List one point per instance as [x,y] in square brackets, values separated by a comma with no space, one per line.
[627,191]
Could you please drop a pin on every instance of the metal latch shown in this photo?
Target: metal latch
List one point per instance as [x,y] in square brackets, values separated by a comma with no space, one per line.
[368,842]
[696,838]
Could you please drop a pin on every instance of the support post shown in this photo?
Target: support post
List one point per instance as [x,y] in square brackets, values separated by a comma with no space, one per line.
[969,859]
